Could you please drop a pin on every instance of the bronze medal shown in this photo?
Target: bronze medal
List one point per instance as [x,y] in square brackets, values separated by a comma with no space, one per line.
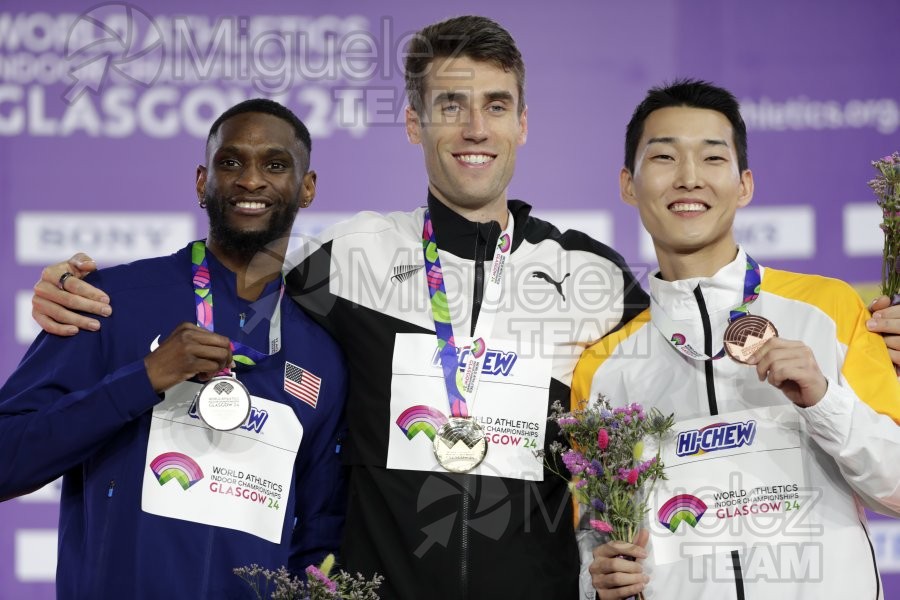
[745,335]
[460,445]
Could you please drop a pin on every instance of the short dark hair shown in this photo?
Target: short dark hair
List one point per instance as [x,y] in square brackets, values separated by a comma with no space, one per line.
[693,93]
[268,107]
[475,37]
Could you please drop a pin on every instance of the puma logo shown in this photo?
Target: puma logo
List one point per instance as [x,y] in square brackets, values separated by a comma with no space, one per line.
[548,279]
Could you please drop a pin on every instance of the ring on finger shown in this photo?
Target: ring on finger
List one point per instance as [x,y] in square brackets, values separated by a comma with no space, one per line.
[62,280]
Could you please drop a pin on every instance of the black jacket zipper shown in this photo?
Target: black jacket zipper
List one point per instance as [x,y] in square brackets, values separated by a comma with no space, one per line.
[714,410]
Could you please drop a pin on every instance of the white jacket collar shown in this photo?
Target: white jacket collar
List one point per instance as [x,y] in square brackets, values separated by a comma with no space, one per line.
[722,291]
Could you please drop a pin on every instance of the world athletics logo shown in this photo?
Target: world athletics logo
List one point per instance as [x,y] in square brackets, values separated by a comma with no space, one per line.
[175,465]
[421,419]
[683,508]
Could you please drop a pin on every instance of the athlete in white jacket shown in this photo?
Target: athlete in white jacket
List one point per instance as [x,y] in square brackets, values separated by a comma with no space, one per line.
[773,459]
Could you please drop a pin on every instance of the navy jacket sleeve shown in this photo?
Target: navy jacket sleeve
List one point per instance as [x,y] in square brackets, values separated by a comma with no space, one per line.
[61,404]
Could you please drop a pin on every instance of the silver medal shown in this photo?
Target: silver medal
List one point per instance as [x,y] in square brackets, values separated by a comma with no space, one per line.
[460,445]
[223,403]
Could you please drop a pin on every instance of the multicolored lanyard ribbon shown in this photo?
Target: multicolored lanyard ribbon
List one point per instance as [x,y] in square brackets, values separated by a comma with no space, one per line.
[462,385]
[203,299]
[666,327]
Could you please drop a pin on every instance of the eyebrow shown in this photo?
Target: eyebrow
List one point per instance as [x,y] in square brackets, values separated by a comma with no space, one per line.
[672,140]
[493,96]
[268,151]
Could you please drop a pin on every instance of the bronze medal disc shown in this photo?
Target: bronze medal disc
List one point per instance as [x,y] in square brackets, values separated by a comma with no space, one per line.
[745,335]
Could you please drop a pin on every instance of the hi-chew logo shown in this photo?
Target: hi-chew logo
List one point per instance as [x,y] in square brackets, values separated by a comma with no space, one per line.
[255,421]
[421,419]
[718,436]
[175,465]
[496,362]
[682,508]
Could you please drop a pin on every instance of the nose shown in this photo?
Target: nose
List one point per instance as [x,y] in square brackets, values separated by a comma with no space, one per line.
[688,175]
[251,177]
[474,129]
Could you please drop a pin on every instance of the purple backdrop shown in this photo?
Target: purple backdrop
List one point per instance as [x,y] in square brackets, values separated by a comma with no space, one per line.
[103,110]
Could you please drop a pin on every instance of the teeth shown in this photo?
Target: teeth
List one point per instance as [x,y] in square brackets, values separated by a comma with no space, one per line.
[250,205]
[475,159]
[688,207]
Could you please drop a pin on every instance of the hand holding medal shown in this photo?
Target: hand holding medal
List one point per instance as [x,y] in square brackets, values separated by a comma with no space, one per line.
[190,351]
[791,367]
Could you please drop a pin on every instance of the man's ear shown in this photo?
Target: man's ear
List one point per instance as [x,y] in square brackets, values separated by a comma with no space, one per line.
[746,194]
[308,189]
[626,187]
[413,126]
[201,182]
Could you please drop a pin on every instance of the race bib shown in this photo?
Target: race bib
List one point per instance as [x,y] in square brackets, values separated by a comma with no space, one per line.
[237,479]
[511,405]
[734,480]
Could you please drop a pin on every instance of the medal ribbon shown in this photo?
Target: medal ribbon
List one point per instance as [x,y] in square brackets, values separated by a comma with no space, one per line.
[203,298]
[752,280]
[462,386]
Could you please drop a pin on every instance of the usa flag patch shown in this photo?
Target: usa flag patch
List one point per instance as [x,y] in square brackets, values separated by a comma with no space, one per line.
[301,384]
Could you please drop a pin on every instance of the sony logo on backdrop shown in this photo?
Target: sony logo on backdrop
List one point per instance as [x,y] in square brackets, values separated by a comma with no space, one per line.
[110,238]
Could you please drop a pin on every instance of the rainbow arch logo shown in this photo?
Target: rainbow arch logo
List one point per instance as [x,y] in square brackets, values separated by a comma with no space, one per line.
[177,466]
[682,508]
[478,348]
[421,419]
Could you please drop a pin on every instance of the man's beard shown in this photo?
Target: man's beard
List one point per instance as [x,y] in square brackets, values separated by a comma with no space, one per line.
[246,244]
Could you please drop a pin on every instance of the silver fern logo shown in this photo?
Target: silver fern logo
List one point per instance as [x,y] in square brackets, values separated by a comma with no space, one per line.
[404,272]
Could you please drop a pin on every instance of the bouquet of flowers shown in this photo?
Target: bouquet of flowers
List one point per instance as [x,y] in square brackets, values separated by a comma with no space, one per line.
[320,583]
[603,454]
[887,189]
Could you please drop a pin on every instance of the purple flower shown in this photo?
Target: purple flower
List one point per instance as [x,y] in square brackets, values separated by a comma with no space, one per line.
[601,526]
[647,464]
[567,421]
[574,461]
[598,505]
[581,483]
[605,414]
[597,467]
[313,572]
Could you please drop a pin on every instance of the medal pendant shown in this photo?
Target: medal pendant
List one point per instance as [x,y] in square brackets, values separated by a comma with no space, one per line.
[460,445]
[745,335]
[223,403]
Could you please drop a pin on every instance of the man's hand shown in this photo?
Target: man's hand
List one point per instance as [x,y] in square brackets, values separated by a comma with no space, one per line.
[615,578]
[792,368]
[189,351]
[886,321]
[52,307]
